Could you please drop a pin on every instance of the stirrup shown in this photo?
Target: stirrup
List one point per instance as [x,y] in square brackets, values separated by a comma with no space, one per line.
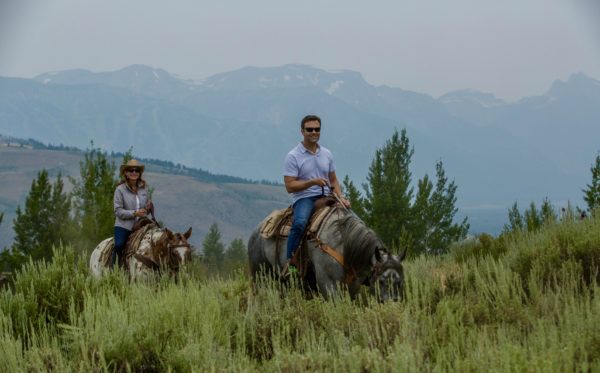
[289,270]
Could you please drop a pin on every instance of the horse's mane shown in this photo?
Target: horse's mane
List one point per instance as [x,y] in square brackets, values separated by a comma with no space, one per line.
[360,241]
[136,237]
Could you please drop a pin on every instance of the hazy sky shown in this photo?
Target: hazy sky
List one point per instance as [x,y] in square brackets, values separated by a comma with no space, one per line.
[512,48]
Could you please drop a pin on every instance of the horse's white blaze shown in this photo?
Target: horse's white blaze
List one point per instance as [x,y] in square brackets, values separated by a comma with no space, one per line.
[181,252]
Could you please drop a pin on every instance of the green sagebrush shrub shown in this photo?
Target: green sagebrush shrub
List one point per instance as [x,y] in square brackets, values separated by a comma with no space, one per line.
[44,292]
[548,251]
[470,315]
[481,246]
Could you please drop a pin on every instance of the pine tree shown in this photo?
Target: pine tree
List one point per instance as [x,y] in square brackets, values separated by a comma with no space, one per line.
[515,220]
[236,251]
[547,212]
[388,191]
[533,220]
[128,156]
[592,192]
[354,196]
[425,224]
[43,223]
[439,217]
[213,248]
[93,198]
[61,217]
[235,255]
[422,216]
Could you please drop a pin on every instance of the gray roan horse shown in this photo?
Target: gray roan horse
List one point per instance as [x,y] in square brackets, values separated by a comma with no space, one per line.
[153,247]
[364,258]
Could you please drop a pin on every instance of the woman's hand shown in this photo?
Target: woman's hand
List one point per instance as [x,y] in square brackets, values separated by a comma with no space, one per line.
[141,213]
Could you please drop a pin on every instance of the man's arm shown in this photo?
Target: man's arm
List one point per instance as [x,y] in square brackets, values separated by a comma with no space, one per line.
[293,185]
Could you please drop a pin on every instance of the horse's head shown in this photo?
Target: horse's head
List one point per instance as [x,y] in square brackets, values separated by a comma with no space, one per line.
[179,251]
[387,276]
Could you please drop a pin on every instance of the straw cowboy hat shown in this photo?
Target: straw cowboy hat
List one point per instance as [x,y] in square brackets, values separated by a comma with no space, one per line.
[130,164]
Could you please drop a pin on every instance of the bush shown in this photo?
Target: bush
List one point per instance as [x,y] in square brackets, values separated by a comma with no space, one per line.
[45,292]
[529,309]
[480,247]
[551,248]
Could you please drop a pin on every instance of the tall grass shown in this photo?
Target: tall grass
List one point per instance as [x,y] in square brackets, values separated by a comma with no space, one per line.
[532,307]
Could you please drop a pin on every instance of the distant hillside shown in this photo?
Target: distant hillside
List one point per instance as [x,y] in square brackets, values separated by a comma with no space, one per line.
[183,197]
[159,165]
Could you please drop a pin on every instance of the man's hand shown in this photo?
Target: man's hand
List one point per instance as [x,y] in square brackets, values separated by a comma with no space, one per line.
[345,202]
[320,182]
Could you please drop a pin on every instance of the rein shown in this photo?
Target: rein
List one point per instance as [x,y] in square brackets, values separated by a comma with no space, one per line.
[151,211]
[171,253]
[350,272]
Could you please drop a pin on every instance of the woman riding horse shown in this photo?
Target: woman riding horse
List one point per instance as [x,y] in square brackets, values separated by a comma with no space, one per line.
[131,203]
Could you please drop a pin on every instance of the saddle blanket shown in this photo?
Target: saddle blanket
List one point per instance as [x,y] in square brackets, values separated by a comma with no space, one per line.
[279,222]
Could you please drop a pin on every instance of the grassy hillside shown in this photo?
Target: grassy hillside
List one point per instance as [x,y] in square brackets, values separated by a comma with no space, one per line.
[526,303]
[182,200]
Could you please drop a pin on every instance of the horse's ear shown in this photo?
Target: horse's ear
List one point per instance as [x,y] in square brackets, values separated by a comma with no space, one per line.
[169,233]
[188,233]
[377,256]
[374,259]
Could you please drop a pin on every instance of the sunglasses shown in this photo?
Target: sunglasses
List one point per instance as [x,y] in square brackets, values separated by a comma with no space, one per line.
[313,129]
[136,170]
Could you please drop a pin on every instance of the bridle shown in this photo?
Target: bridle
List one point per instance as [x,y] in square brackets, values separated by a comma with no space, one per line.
[174,258]
[379,268]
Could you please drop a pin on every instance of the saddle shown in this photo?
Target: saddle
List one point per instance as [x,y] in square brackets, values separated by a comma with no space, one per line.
[133,242]
[135,239]
[279,223]
[140,223]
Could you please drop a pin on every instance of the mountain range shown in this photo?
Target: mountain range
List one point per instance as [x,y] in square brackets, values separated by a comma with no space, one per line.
[243,123]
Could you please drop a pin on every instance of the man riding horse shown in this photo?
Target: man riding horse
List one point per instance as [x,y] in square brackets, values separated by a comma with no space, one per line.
[338,250]
[308,172]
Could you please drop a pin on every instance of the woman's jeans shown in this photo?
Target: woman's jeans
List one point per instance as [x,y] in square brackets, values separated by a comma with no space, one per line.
[303,209]
[121,236]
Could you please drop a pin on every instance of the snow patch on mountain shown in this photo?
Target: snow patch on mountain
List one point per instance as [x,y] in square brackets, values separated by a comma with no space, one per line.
[334,86]
[471,96]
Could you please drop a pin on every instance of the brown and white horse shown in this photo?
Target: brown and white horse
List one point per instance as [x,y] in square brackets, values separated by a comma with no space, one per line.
[148,250]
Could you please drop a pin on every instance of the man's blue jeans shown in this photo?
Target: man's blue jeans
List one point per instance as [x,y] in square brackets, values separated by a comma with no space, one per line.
[121,236]
[303,208]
